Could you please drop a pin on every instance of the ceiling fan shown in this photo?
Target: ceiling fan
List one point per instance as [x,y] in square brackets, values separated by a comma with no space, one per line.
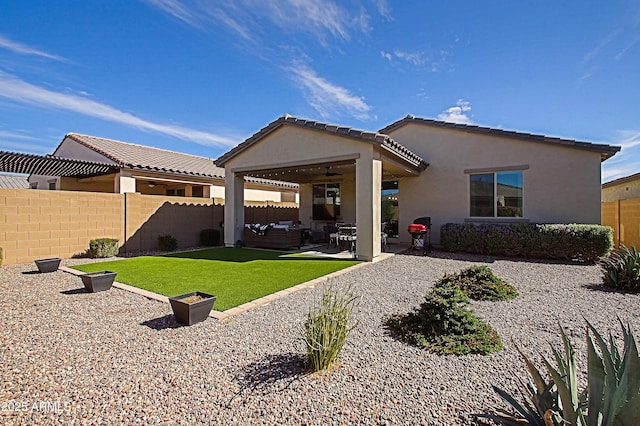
[329,174]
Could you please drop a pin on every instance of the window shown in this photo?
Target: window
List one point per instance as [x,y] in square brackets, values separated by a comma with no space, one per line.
[496,194]
[197,191]
[326,201]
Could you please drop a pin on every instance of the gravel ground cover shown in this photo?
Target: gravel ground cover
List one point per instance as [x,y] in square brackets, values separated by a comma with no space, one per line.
[70,357]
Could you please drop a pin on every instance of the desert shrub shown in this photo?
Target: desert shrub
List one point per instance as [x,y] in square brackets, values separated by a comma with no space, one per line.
[209,237]
[586,243]
[167,242]
[327,326]
[103,247]
[1,256]
[611,397]
[444,324]
[479,283]
[621,269]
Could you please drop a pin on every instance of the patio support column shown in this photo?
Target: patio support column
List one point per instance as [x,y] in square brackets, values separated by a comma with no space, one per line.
[368,219]
[233,208]
[124,183]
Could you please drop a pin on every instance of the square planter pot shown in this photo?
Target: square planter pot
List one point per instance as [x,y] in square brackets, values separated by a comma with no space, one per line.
[48,265]
[192,308]
[98,281]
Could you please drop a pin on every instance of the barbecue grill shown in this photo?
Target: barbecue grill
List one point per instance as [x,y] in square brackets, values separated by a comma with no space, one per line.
[420,231]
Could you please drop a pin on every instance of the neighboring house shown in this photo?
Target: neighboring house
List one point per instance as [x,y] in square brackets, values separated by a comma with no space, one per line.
[13,182]
[621,189]
[147,170]
[449,172]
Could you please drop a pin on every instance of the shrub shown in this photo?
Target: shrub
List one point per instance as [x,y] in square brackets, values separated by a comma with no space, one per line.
[479,283]
[621,269]
[443,324]
[327,326]
[612,395]
[210,237]
[585,243]
[103,247]
[1,256]
[167,243]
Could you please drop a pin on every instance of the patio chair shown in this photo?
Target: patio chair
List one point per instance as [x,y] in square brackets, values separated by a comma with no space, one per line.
[347,235]
[331,232]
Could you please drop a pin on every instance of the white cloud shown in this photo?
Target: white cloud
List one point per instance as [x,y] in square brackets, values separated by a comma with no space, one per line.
[23,92]
[412,58]
[320,18]
[457,114]
[328,99]
[383,9]
[434,61]
[23,49]
[627,161]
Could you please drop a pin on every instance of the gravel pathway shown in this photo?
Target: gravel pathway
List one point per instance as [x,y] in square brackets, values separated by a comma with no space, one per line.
[69,357]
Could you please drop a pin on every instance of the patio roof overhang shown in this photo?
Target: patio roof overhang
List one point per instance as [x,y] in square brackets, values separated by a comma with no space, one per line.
[48,165]
[397,161]
[325,169]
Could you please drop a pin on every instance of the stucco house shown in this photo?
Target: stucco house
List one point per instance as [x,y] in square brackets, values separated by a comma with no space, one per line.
[148,170]
[623,188]
[449,172]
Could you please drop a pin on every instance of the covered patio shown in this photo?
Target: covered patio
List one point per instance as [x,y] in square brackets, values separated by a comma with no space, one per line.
[340,172]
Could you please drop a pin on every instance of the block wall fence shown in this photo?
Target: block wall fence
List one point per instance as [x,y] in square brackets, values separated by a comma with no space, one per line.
[624,217]
[36,224]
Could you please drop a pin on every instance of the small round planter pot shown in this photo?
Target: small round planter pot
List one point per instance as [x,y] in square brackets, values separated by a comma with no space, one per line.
[192,308]
[48,265]
[98,281]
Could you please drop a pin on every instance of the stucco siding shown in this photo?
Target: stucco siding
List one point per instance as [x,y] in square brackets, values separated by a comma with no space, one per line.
[560,184]
[623,191]
[291,144]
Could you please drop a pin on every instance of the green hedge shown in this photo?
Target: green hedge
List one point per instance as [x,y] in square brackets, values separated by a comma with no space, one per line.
[102,247]
[167,242]
[586,243]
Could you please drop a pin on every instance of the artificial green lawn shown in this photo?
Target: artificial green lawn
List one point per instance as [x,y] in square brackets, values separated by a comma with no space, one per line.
[234,275]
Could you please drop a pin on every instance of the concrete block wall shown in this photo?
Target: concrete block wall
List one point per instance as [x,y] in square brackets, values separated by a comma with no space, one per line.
[624,217]
[150,216]
[41,224]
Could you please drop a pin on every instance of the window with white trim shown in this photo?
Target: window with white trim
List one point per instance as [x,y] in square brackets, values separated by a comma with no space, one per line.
[496,194]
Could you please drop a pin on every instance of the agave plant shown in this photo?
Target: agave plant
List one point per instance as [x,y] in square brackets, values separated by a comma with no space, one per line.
[612,395]
[621,269]
[613,380]
[540,407]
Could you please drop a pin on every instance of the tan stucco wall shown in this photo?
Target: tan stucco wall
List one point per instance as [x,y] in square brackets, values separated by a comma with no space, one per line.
[622,191]
[290,144]
[561,184]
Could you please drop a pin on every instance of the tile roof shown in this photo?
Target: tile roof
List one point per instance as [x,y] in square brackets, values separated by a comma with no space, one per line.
[606,151]
[619,181]
[376,138]
[148,158]
[13,182]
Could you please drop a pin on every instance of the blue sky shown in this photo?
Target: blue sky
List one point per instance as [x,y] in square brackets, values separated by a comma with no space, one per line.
[200,76]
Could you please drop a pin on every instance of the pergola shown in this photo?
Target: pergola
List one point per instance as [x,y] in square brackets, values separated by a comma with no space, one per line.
[49,165]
